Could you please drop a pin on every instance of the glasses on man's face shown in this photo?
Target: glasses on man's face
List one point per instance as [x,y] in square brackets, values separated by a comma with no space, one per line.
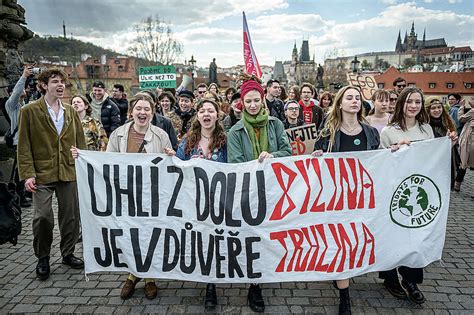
[293,109]
[393,99]
[401,85]
[201,92]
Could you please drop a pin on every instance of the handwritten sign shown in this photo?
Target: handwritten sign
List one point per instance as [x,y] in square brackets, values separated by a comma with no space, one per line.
[366,83]
[157,76]
[302,139]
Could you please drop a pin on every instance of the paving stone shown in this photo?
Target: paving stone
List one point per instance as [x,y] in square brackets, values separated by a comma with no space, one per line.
[105,310]
[50,300]
[448,285]
[51,308]
[26,308]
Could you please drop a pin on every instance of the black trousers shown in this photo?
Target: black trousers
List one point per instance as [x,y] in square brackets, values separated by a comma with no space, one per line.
[408,274]
[460,172]
[20,184]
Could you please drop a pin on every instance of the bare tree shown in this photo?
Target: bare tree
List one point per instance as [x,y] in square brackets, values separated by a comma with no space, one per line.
[155,42]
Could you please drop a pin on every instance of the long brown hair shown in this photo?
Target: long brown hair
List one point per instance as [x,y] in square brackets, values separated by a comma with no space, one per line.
[334,118]
[446,119]
[327,95]
[218,137]
[398,117]
[296,90]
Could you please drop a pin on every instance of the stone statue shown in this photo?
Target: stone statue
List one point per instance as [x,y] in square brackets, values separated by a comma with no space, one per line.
[12,34]
[319,76]
[213,72]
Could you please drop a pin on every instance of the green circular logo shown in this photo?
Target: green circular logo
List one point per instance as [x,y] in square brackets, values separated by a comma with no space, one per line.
[416,202]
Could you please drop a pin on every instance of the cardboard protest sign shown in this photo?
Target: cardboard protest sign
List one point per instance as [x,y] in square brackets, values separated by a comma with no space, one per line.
[290,219]
[302,139]
[366,83]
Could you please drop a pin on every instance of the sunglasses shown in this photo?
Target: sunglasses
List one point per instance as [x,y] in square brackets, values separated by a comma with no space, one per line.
[393,99]
[401,85]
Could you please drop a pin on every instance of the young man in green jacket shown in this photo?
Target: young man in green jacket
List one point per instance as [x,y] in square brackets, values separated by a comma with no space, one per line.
[47,130]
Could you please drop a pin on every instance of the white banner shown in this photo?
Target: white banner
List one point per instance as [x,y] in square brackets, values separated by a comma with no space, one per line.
[289,219]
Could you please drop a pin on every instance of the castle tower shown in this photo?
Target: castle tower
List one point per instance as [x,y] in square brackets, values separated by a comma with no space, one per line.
[304,54]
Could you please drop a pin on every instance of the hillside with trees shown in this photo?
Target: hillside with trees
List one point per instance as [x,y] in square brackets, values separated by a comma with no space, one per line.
[52,48]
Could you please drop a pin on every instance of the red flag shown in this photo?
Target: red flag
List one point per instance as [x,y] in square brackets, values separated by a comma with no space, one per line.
[251,62]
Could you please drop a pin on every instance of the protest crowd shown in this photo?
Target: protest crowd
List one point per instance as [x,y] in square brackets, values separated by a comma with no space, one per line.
[235,125]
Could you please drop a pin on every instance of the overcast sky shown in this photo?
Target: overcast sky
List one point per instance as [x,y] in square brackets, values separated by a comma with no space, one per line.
[213,29]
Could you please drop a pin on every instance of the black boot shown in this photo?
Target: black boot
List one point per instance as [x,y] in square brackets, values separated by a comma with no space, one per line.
[42,268]
[414,293]
[211,296]
[255,298]
[344,302]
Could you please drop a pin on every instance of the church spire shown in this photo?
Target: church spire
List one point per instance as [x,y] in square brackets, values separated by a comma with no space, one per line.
[398,45]
[412,32]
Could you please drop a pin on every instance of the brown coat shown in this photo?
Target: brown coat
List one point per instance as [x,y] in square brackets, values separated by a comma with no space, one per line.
[42,153]
[466,139]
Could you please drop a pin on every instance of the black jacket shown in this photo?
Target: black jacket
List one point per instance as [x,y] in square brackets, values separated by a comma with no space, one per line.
[276,108]
[110,116]
[164,123]
[373,140]
[123,107]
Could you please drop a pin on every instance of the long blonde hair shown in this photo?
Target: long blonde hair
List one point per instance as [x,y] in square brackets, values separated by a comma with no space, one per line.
[334,118]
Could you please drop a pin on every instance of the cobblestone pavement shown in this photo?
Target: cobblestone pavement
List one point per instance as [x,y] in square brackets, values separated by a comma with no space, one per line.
[448,287]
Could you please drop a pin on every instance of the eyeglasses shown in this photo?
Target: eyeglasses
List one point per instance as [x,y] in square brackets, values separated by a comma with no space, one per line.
[401,85]
[293,109]
[393,99]
[201,92]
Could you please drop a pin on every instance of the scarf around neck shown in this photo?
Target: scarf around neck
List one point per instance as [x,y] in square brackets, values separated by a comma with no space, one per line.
[257,123]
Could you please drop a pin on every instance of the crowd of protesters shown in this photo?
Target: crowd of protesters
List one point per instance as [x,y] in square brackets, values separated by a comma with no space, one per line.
[235,125]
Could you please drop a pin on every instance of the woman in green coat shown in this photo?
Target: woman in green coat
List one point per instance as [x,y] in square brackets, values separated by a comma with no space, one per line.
[256,136]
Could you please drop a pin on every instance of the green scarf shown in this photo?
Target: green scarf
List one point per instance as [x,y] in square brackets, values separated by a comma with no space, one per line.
[257,122]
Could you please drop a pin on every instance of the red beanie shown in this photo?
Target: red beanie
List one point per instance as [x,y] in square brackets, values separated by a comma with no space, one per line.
[250,85]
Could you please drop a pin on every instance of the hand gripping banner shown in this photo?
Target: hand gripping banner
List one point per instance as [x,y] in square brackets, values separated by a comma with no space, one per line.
[288,219]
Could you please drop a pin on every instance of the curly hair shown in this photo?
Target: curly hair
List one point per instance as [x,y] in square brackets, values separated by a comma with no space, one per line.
[45,75]
[218,137]
[334,118]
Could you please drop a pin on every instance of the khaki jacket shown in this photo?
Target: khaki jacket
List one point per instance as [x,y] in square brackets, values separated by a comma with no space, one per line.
[155,139]
[42,153]
[466,138]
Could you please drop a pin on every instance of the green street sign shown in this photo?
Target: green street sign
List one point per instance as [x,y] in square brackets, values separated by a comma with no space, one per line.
[157,76]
